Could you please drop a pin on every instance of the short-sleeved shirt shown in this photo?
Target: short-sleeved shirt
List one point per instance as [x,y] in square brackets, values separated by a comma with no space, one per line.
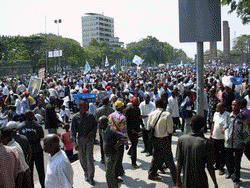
[67,141]
[110,138]
[59,171]
[220,121]
[194,151]
[34,133]
[10,166]
[118,121]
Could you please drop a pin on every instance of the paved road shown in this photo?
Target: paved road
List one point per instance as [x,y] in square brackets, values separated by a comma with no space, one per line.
[138,177]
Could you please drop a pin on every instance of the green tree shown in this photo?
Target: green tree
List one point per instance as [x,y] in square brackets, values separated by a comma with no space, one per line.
[241,7]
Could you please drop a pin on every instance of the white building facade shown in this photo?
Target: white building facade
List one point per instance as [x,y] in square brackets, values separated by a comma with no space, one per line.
[99,27]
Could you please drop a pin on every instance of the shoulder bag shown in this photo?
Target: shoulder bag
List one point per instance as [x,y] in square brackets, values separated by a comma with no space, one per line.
[151,134]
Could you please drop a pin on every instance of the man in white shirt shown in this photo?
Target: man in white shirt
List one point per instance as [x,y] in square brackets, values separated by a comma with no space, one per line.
[174,109]
[59,170]
[219,121]
[146,107]
[18,104]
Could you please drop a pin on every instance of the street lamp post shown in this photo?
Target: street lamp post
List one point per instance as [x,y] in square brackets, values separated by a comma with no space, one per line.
[57,22]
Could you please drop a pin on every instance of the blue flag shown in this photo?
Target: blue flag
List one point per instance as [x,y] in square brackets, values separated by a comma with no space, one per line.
[133,72]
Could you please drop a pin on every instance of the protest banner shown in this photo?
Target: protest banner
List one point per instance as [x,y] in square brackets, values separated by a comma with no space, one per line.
[90,98]
[34,86]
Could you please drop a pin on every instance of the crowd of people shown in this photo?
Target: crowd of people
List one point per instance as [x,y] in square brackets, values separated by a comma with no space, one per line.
[153,104]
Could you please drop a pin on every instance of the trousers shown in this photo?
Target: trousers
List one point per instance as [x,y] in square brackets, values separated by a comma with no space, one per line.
[111,162]
[162,153]
[133,149]
[233,161]
[86,158]
[37,158]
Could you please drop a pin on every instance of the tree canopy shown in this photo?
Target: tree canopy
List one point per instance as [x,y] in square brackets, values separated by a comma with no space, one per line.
[36,47]
[241,7]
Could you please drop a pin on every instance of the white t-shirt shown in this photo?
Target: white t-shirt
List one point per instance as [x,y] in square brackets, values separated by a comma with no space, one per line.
[173,107]
[146,109]
[59,171]
[219,122]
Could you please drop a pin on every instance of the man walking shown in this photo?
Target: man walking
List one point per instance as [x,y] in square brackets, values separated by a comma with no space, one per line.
[118,120]
[133,117]
[193,153]
[162,141]
[104,110]
[85,125]
[112,141]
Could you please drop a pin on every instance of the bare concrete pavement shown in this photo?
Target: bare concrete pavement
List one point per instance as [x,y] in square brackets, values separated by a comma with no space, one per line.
[139,177]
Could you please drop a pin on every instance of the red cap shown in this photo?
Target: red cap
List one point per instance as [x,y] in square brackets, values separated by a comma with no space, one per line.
[26,93]
[135,100]
[108,87]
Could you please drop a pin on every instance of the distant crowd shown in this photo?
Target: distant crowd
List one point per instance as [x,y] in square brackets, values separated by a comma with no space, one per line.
[150,103]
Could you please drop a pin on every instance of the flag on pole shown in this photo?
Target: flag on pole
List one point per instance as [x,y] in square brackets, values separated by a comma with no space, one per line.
[87,68]
[106,62]
[137,60]
[113,68]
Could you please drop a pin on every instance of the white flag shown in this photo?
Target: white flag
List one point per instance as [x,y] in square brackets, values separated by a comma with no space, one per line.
[106,62]
[113,67]
[87,68]
[137,60]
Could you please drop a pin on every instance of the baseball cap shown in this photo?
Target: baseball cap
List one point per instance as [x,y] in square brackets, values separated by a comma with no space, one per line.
[135,100]
[119,104]
[10,126]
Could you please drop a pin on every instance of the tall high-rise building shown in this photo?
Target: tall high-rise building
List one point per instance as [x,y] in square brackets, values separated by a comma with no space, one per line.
[99,27]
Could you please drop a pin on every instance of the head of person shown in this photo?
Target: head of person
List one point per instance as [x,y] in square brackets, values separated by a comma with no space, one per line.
[236,106]
[126,92]
[147,98]
[63,107]
[119,105]
[160,84]
[243,103]
[228,89]
[164,97]
[66,127]
[135,102]
[84,107]
[105,101]
[160,103]
[197,123]
[9,131]
[26,94]
[220,107]
[51,144]
[174,93]
[29,115]
[103,122]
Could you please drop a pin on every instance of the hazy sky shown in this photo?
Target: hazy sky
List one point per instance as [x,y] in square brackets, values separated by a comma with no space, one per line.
[133,19]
